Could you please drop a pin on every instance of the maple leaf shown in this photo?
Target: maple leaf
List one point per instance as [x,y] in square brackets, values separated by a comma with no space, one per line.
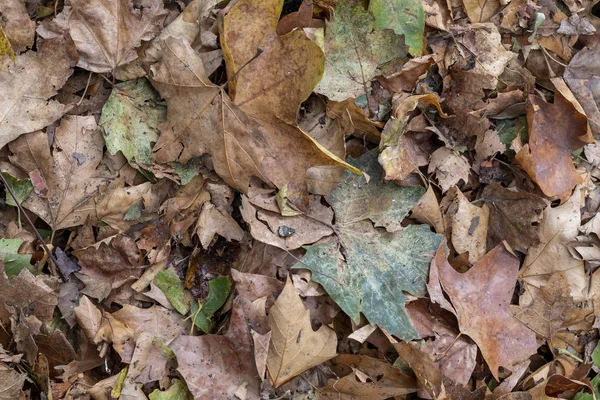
[481,300]
[555,130]
[67,174]
[294,346]
[29,83]
[106,32]
[369,270]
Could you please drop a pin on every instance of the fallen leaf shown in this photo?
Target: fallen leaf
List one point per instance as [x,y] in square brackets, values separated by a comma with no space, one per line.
[553,310]
[11,383]
[427,373]
[215,366]
[173,288]
[481,298]
[108,265]
[294,346]
[582,75]
[449,166]
[479,12]
[13,261]
[555,130]
[372,269]
[406,79]
[219,289]
[89,317]
[558,227]
[216,220]
[384,381]
[404,17]
[469,225]
[130,119]
[69,169]
[177,390]
[355,51]
[514,217]
[107,32]
[17,26]
[427,211]
[28,86]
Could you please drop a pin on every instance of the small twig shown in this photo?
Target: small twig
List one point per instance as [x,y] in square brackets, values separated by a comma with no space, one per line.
[54,263]
[87,85]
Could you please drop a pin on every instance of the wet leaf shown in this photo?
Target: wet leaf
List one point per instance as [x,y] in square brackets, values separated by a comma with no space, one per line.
[21,187]
[13,261]
[219,289]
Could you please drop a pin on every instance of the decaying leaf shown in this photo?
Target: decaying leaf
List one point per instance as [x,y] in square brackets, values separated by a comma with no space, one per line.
[295,347]
[28,85]
[449,167]
[404,17]
[481,298]
[368,270]
[107,32]
[469,227]
[555,130]
[18,28]
[355,51]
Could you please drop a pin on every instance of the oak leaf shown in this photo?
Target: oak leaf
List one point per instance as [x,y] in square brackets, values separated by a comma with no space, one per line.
[294,346]
[481,299]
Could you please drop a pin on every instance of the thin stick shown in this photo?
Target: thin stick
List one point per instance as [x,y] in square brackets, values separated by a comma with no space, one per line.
[22,211]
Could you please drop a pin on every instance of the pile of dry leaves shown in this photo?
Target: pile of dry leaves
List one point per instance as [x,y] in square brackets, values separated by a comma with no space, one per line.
[318,199]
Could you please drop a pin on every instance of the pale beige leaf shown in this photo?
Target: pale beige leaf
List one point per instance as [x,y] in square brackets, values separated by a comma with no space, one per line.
[107,32]
[29,83]
[295,347]
[16,24]
[469,228]
[449,166]
[216,220]
[88,317]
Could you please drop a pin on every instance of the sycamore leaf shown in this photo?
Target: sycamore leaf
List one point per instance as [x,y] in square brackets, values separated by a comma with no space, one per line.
[369,270]
[404,17]
[481,299]
[27,86]
[355,51]
[295,347]
[130,119]
[13,261]
[107,32]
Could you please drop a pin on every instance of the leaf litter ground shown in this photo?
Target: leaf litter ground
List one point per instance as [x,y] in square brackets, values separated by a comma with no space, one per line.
[318,199]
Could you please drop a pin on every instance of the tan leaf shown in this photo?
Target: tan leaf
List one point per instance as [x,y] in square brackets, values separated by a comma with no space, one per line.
[384,381]
[406,79]
[216,220]
[27,86]
[449,166]
[481,11]
[261,351]
[16,24]
[11,383]
[469,227]
[481,298]
[427,211]
[559,226]
[107,32]
[69,170]
[89,317]
[427,373]
[295,347]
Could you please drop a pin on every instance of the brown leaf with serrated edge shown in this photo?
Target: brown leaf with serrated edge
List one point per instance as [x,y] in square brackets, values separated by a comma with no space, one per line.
[107,32]
[481,298]
[69,169]
[295,347]
[514,217]
[555,130]
[29,83]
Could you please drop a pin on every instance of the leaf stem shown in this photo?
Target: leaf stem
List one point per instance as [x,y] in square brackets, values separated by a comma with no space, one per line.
[54,263]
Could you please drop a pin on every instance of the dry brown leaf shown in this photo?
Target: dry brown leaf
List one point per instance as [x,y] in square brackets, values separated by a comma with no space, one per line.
[583,75]
[469,225]
[107,32]
[17,26]
[69,171]
[514,217]
[427,211]
[406,79]
[11,383]
[89,317]
[216,220]
[555,130]
[108,265]
[297,19]
[29,83]
[481,11]
[449,166]
[215,366]
[384,381]
[288,233]
[559,226]
[553,310]
[481,298]
[295,347]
